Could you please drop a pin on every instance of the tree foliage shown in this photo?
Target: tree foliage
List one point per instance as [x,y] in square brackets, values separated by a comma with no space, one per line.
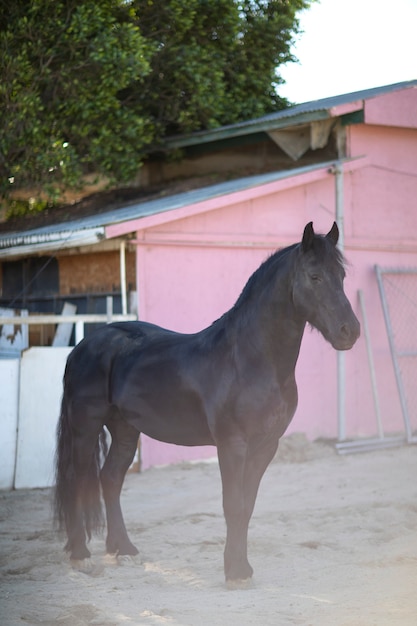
[89,85]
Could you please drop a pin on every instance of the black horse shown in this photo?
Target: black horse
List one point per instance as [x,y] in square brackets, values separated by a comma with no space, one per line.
[231,385]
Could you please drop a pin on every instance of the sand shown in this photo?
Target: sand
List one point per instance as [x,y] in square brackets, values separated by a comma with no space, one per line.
[333,542]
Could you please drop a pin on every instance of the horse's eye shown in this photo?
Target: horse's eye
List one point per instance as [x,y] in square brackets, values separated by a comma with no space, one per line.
[315,278]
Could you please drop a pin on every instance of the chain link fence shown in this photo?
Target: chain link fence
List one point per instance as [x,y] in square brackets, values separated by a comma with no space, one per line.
[398,291]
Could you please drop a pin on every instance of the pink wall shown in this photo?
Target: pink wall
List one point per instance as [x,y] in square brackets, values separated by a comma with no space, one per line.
[393,109]
[188,286]
[185,286]
[191,269]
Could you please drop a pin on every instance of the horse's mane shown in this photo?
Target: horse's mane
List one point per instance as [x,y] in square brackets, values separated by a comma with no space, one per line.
[324,251]
[264,274]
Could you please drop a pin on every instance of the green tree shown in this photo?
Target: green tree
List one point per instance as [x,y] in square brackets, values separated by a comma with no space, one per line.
[87,86]
[216,62]
[62,66]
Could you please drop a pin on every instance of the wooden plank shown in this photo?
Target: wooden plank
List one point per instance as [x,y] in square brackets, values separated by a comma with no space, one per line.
[64,329]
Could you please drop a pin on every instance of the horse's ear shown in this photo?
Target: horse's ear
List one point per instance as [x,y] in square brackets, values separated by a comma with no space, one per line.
[333,234]
[308,237]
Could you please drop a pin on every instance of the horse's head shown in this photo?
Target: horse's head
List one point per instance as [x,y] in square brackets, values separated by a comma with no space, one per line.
[318,293]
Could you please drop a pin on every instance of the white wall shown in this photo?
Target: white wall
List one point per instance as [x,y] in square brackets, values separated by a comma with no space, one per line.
[30,398]
[40,393]
[9,392]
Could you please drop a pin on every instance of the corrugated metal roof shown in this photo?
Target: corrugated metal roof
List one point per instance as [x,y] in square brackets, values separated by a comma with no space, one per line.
[89,230]
[297,114]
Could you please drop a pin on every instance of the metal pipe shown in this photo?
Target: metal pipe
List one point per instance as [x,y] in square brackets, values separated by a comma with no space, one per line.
[109,309]
[368,445]
[340,217]
[341,361]
[371,363]
[79,332]
[123,276]
[341,396]
[58,319]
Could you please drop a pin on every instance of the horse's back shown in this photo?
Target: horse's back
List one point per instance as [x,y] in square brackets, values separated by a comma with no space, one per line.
[110,339]
[90,363]
[137,329]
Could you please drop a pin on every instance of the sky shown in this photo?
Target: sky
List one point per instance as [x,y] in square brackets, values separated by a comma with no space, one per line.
[349,45]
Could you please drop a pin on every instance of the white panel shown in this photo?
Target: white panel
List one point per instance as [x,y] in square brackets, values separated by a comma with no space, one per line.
[9,386]
[40,395]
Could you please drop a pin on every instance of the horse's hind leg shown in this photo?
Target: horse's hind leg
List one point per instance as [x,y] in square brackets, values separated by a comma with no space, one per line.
[120,456]
[79,488]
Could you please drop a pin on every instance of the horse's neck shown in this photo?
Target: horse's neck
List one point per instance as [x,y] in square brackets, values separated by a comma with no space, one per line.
[269,324]
[280,339]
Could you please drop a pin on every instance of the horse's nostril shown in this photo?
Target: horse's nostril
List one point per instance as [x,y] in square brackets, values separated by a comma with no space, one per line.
[344,330]
[350,331]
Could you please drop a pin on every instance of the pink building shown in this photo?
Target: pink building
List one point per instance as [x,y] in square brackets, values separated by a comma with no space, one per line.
[352,158]
[193,260]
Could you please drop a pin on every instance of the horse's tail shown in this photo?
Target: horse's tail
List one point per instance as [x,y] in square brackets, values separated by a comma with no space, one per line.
[72,487]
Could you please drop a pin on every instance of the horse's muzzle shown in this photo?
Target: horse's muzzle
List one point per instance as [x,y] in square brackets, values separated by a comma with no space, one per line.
[348,335]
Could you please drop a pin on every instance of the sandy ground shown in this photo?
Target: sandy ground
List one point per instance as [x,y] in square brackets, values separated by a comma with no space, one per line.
[333,542]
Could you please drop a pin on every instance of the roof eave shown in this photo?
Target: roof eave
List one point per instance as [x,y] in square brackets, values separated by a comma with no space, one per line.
[251,127]
[303,113]
[23,244]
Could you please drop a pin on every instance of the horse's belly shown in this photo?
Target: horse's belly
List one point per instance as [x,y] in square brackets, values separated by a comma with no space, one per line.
[181,423]
[177,430]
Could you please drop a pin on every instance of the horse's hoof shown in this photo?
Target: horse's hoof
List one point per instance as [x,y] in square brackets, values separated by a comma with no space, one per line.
[87,566]
[121,559]
[239,583]
[110,559]
[129,559]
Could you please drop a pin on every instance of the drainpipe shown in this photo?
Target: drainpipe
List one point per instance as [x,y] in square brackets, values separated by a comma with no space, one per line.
[123,276]
[341,360]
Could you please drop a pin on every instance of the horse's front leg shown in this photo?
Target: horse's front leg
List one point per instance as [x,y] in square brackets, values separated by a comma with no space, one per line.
[232,457]
[261,451]
[242,465]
